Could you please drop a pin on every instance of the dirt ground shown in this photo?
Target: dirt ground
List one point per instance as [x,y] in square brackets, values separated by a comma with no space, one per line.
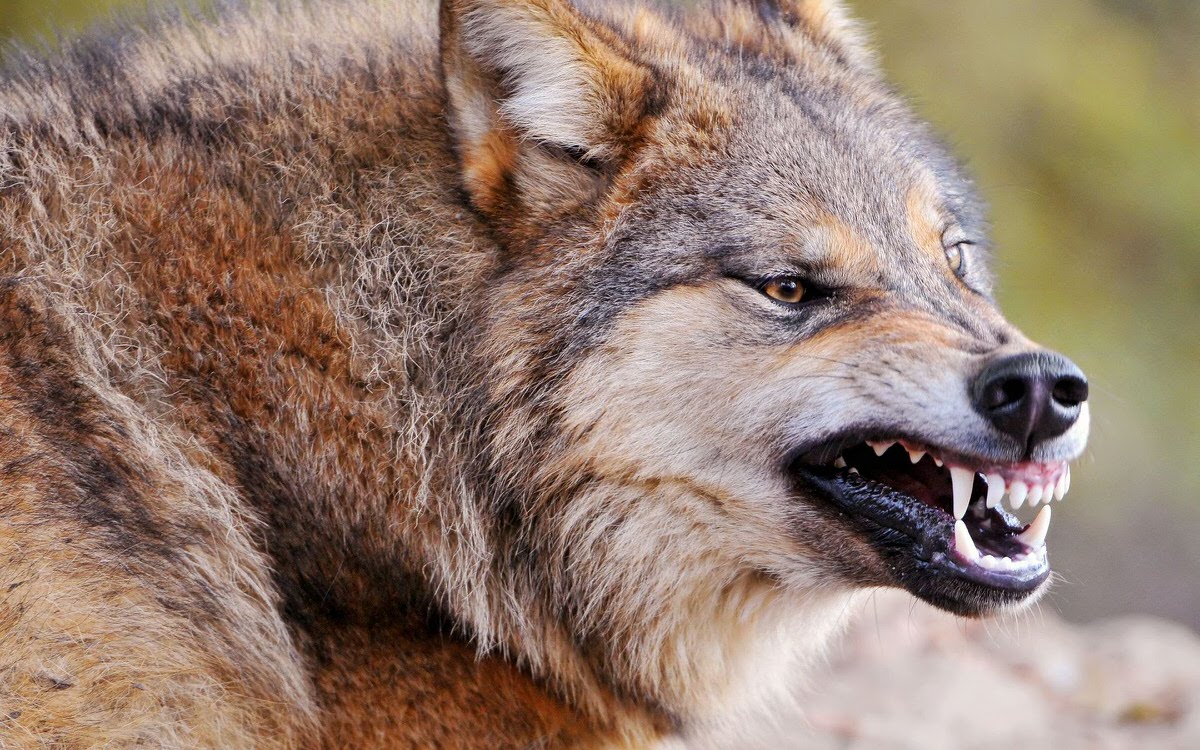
[907,676]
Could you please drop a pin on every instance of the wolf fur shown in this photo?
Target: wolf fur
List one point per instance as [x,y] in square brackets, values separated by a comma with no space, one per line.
[374,374]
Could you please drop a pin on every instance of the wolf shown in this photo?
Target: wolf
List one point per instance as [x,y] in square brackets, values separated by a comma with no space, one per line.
[488,374]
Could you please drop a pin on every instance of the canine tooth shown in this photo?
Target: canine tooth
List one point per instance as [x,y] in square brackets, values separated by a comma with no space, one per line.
[853,470]
[1035,536]
[881,447]
[1016,494]
[1067,473]
[1060,487]
[963,541]
[962,480]
[995,484]
[839,463]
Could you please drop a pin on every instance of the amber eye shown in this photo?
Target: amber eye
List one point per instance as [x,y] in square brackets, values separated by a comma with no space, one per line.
[784,289]
[957,245]
[954,256]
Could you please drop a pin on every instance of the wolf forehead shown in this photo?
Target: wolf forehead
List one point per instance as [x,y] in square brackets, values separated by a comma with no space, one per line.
[779,127]
[770,152]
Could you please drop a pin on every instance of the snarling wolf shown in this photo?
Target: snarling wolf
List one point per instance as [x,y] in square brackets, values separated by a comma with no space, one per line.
[503,374]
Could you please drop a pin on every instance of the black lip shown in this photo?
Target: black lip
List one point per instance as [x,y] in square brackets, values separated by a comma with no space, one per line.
[983,451]
[916,542]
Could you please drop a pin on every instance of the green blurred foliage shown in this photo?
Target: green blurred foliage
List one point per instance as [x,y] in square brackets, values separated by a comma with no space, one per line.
[37,21]
[1081,120]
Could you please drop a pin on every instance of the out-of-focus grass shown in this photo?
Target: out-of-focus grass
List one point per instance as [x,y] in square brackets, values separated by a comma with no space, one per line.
[1081,119]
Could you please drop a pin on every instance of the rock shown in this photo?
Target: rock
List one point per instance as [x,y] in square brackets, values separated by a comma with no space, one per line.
[908,676]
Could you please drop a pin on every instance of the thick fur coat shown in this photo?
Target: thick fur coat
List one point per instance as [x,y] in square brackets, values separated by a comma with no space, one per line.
[375,374]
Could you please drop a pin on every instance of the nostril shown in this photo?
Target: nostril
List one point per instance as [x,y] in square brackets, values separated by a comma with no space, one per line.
[1032,397]
[1070,391]
[1003,392]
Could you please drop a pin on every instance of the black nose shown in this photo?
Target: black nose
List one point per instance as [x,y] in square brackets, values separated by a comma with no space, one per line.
[1033,396]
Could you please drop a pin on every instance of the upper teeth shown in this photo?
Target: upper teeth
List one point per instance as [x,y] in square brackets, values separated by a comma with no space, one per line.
[1020,493]
[1064,484]
[995,484]
[963,482]
[1017,492]
[881,447]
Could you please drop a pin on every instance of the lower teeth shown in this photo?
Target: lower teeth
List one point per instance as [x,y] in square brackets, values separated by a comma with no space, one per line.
[1034,537]
[991,562]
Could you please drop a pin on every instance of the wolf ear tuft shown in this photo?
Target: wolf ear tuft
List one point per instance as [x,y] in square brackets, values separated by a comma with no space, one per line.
[541,103]
[828,23]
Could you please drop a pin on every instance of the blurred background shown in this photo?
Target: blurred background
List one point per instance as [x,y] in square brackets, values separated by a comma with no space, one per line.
[1081,121]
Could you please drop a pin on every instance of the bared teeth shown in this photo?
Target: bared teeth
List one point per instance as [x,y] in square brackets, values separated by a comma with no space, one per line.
[1035,536]
[963,542]
[995,484]
[880,447]
[1040,487]
[991,562]
[1016,494]
[962,480]
[1035,495]
[1021,492]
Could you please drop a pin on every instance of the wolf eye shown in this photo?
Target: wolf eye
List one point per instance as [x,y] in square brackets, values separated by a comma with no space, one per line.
[954,256]
[786,289]
[956,251]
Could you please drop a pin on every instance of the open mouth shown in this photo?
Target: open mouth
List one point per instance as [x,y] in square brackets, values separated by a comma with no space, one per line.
[938,517]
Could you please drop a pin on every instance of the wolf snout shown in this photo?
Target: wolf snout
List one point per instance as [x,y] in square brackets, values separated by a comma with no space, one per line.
[1031,397]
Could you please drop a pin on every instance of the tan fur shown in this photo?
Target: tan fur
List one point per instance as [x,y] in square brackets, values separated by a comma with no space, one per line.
[366,380]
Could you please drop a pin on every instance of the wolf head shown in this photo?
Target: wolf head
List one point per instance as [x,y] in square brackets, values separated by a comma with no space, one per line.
[740,354]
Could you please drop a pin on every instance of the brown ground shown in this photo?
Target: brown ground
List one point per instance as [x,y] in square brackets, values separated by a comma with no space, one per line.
[907,676]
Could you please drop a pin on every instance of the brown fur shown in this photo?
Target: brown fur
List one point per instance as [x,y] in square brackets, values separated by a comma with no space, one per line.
[352,397]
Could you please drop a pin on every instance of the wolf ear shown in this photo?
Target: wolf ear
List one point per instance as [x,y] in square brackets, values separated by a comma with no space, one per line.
[542,104]
[826,22]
